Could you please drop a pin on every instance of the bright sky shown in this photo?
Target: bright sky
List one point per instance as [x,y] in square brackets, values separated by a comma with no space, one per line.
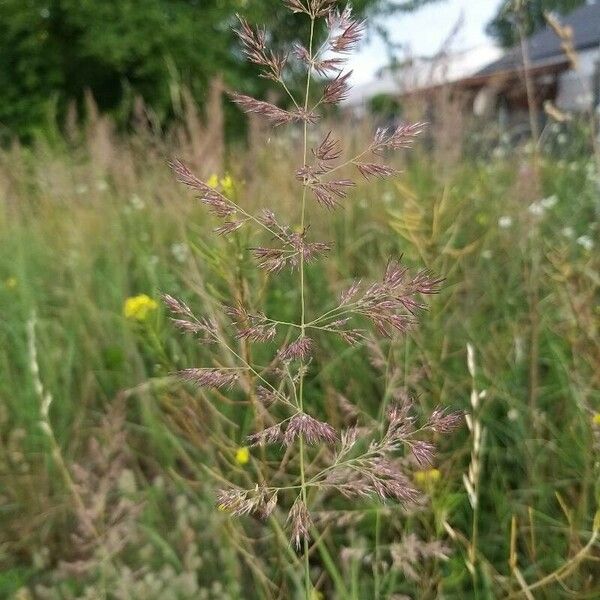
[424,32]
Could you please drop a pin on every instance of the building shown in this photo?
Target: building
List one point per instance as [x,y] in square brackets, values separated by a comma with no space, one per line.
[562,70]
[415,75]
[563,66]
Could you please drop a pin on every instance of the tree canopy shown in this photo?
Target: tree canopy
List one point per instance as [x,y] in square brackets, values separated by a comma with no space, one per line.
[52,51]
[530,12]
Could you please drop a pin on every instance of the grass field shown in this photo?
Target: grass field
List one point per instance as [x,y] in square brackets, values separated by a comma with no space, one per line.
[111,493]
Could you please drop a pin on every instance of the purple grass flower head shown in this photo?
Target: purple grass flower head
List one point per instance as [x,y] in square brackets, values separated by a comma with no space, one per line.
[397,138]
[260,501]
[177,306]
[312,430]
[215,378]
[254,45]
[346,32]
[257,328]
[235,501]
[327,151]
[276,115]
[266,396]
[229,227]
[299,349]
[300,522]
[423,453]
[368,170]
[270,435]
[217,203]
[338,89]
[368,459]
[442,421]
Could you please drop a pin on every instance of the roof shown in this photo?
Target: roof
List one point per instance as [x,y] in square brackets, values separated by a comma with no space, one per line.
[545,46]
[425,73]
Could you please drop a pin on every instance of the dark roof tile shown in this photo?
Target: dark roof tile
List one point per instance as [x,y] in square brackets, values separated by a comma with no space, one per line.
[545,45]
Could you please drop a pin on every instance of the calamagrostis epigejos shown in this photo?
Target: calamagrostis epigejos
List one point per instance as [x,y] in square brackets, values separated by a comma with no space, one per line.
[359,462]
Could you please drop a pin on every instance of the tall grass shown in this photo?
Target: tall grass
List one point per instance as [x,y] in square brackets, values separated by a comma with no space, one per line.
[88,223]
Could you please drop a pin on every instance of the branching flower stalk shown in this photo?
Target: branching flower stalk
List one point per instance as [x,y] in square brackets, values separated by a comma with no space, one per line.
[360,461]
[472,478]
[81,511]
[303,300]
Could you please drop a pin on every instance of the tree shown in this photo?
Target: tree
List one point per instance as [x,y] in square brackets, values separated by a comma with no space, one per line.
[530,12]
[52,51]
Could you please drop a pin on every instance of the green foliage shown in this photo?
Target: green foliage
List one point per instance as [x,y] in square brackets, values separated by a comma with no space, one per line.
[52,51]
[57,49]
[530,12]
[79,238]
[385,106]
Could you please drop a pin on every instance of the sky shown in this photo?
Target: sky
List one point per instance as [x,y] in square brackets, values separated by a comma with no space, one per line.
[424,32]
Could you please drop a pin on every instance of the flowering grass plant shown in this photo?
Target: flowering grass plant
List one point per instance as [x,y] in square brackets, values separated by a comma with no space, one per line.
[359,461]
[110,490]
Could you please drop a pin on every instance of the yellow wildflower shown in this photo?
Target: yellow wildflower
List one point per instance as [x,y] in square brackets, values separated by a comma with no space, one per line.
[227,185]
[11,283]
[427,477]
[242,456]
[139,307]
[213,181]
[596,419]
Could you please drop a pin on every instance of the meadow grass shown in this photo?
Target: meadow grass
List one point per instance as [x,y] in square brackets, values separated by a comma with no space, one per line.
[86,226]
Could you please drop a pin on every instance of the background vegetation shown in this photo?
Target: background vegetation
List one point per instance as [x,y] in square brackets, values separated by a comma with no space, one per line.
[92,223]
[54,51]
[108,465]
[503,27]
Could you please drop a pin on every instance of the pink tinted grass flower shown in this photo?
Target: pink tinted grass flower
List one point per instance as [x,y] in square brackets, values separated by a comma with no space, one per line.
[360,461]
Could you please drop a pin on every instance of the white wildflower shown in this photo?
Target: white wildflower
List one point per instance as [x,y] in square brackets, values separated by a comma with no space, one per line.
[126,483]
[388,197]
[549,202]
[513,414]
[136,202]
[537,208]
[568,232]
[586,242]
[180,251]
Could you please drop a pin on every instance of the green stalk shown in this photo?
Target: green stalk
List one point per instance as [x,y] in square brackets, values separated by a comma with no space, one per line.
[376,592]
[307,582]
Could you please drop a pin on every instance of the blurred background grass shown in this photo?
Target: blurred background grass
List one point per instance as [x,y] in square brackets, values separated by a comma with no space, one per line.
[89,223]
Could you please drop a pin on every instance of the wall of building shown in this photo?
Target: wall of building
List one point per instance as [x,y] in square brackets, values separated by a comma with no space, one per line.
[577,89]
